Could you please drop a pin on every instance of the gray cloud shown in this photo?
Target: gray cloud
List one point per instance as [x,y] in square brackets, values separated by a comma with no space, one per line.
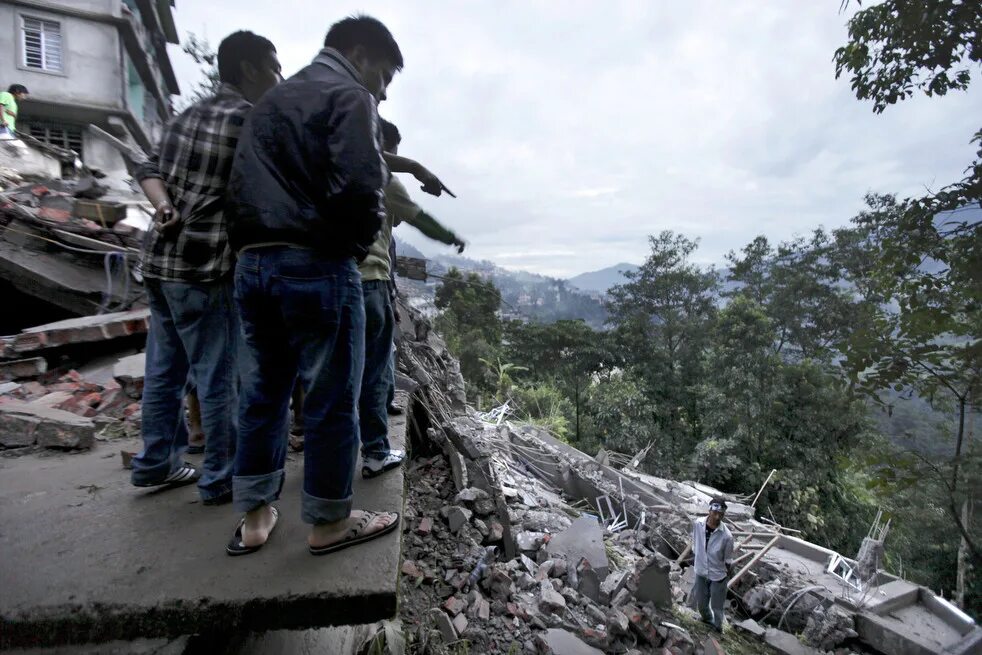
[572,130]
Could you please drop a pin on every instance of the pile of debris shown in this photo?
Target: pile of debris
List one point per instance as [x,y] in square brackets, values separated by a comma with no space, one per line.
[69,409]
[73,243]
[497,557]
[516,542]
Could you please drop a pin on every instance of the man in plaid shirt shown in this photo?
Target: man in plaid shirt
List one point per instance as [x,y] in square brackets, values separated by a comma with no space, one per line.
[187,264]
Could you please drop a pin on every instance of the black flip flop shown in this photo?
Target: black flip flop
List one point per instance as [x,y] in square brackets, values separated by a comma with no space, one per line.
[235,547]
[355,540]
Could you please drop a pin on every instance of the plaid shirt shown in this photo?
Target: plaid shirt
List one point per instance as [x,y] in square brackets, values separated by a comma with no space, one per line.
[194,161]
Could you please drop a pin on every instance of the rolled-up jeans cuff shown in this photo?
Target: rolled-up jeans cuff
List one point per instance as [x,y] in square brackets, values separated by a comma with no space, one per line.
[316,510]
[250,492]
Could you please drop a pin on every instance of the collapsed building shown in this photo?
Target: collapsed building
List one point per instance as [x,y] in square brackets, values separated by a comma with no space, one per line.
[514,541]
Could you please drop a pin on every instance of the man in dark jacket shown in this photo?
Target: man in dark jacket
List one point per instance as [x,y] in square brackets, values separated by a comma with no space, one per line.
[306,197]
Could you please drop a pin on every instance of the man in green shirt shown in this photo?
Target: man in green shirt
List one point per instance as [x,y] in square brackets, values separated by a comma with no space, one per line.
[377,455]
[8,108]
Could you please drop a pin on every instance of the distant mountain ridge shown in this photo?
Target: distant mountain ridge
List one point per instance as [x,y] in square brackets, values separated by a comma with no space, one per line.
[524,295]
[602,280]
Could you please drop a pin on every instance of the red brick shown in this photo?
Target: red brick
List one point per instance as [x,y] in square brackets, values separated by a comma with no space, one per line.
[34,389]
[75,405]
[112,400]
[93,399]
[71,376]
[65,386]
[409,568]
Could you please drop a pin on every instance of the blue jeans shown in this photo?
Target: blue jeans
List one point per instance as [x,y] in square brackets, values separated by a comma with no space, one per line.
[194,329]
[302,315]
[710,598]
[377,382]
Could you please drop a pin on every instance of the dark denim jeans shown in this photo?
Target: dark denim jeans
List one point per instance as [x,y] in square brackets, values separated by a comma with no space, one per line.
[194,329]
[377,383]
[302,315]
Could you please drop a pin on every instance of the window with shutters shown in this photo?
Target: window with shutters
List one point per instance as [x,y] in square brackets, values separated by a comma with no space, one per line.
[42,44]
[58,134]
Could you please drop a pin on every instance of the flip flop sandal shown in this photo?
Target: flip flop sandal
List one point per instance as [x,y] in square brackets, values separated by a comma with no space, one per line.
[235,547]
[195,450]
[355,536]
[184,475]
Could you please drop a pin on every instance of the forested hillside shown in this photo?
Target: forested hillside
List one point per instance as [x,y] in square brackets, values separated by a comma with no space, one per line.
[848,361]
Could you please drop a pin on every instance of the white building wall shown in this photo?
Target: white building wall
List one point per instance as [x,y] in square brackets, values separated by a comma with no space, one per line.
[91,73]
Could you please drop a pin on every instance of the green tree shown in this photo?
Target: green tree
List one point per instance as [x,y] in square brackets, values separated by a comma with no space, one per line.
[799,288]
[896,48]
[470,324]
[204,56]
[760,411]
[921,325]
[565,354]
[663,316]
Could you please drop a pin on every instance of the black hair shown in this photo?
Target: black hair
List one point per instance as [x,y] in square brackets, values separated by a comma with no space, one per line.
[367,32]
[238,48]
[16,88]
[390,135]
[718,501]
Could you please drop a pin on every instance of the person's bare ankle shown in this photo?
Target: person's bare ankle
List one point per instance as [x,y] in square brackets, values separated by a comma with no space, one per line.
[322,534]
[257,526]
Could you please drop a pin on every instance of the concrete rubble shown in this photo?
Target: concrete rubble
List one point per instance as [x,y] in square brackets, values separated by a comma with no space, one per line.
[50,405]
[513,541]
[586,557]
[71,243]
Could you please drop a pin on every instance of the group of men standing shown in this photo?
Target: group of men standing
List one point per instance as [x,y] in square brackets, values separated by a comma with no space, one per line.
[267,266]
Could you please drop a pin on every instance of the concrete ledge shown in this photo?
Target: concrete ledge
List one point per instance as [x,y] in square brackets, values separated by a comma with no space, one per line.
[89,558]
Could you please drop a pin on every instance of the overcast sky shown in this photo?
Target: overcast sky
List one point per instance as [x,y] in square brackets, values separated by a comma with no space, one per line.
[572,129]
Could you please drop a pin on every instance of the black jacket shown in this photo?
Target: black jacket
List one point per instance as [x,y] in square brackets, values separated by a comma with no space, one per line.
[308,168]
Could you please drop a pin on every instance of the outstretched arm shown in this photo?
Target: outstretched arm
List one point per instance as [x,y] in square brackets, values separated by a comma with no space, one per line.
[431,183]
[432,228]
[403,209]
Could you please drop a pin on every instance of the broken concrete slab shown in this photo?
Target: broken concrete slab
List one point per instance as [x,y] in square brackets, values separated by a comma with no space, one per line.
[460,623]
[786,643]
[584,539]
[564,642]
[752,627]
[23,368]
[341,639]
[654,584]
[612,585]
[444,625]
[24,424]
[129,372]
[589,584]
[177,646]
[710,646]
[550,600]
[105,570]
[457,518]
[82,330]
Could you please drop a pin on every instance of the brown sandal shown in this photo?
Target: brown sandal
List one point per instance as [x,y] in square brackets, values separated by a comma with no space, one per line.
[356,535]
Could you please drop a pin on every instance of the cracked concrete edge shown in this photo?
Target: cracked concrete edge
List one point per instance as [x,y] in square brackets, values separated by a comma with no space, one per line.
[97,623]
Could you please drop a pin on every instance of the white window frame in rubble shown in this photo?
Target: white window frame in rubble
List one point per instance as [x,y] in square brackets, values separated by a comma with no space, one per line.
[48,55]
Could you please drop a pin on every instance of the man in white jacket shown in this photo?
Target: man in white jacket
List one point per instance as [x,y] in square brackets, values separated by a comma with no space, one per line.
[712,545]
